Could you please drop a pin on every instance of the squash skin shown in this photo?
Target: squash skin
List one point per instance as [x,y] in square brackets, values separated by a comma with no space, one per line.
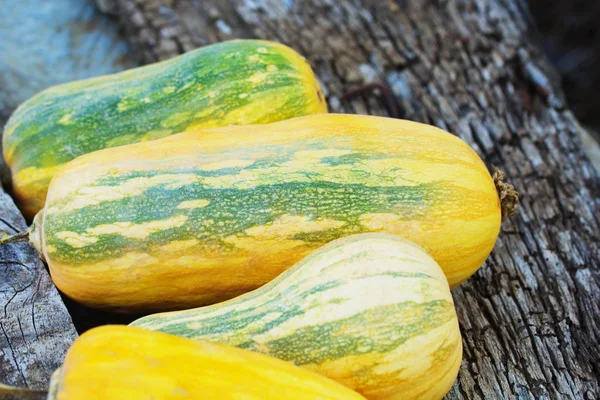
[217,213]
[235,82]
[118,362]
[371,311]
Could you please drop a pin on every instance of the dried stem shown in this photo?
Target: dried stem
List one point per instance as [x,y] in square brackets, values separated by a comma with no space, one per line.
[509,198]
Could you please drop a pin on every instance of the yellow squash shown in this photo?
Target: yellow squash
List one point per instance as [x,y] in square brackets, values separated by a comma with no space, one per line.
[372,311]
[204,216]
[125,363]
[236,82]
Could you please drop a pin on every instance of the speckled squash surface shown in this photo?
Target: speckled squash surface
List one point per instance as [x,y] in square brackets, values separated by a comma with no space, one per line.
[234,82]
[119,362]
[202,217]
[372,311]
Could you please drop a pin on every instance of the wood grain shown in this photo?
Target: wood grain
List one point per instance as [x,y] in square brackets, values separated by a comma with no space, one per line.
[530,318]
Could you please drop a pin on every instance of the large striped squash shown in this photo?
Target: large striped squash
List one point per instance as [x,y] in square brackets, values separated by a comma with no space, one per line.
[204,216]
[234,82]
[372,311]
[123,363]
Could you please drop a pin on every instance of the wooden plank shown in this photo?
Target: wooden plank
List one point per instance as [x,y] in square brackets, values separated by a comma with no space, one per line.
[530,318]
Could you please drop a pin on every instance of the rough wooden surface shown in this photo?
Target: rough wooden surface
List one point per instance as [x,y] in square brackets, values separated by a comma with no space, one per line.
[35,328]
[41,44]
[530,317]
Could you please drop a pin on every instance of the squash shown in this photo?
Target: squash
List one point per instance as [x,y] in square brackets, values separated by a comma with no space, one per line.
[234,82]
[202,217]
[119,362]
[371,311]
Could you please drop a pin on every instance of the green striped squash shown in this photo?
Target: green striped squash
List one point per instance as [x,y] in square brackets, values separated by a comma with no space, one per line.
[371,311]
[235,82]
[202,217]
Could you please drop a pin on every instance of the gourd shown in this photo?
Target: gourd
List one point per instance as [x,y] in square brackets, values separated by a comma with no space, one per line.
[119,362]
[233,82]
[371,311]
[201,217]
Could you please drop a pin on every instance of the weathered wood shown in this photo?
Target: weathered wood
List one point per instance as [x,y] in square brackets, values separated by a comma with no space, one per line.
[35,328]
[530,317]
[41,44]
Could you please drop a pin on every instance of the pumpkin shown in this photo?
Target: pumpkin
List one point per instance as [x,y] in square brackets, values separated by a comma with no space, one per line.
[202,217]
[371,311]
[233,82]
[119,362]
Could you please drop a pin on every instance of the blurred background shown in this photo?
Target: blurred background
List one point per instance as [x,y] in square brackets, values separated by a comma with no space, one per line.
[570,36]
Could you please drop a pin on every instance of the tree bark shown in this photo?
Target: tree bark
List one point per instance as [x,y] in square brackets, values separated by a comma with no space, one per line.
[530,318]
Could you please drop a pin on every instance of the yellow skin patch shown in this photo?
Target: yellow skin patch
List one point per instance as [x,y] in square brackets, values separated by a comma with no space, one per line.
[137,231]
[191,204]
[66,119]
[127,103]
[92,195]
[226,164]
[9,132]
[34,179]
[76,240]
[258,77]
[126,229]
[287,226]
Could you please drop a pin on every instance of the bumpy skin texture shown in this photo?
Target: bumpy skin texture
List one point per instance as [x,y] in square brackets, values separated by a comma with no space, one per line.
[202,217]
[372,311]
[118,362]
[235,82]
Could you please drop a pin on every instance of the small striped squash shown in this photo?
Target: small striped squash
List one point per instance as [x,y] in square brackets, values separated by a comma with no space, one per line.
[119,362]
[371,311]
[235,82]
[202,217]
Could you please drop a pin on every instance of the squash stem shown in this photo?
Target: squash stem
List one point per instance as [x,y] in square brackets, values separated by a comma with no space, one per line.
[509,197]
[13,393]
[22,236]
